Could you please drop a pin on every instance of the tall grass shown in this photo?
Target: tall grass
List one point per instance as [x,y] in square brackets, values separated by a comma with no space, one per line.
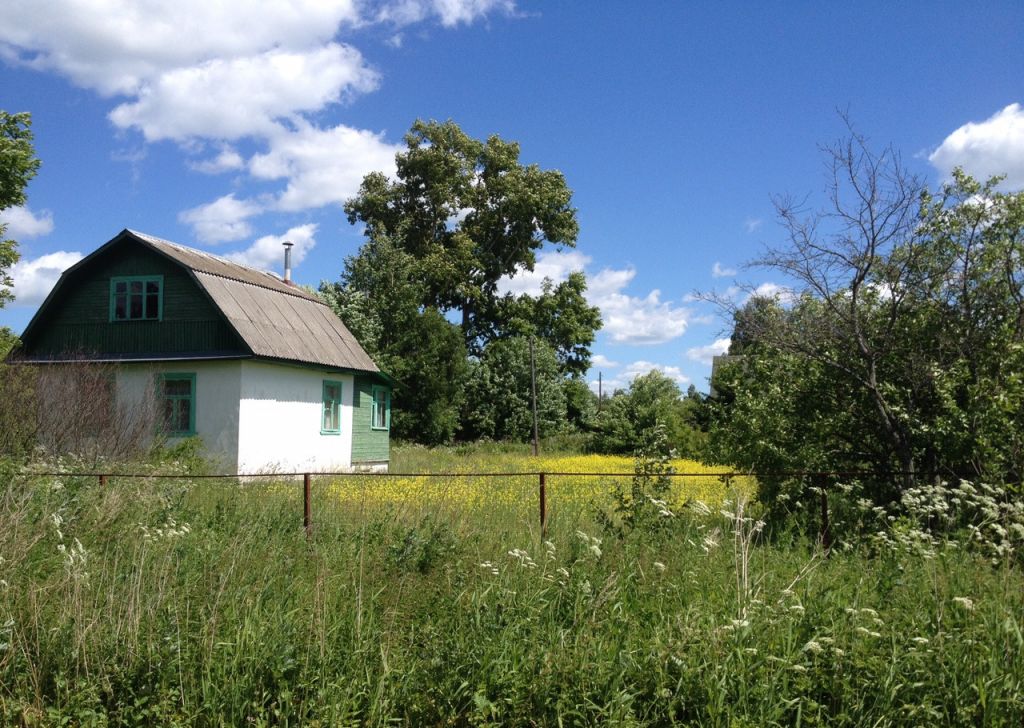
[203,603]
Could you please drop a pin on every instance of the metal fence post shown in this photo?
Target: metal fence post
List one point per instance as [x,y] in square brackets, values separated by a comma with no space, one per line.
[307,520]
[543,507]
[826,531]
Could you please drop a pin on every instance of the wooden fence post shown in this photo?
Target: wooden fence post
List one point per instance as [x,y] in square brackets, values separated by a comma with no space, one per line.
[543,508]
[307,520]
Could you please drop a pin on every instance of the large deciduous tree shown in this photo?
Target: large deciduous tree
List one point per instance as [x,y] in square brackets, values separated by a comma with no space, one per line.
[467,212]
[18,165]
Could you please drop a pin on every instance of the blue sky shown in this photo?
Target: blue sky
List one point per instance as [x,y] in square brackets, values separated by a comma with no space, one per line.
[674,124]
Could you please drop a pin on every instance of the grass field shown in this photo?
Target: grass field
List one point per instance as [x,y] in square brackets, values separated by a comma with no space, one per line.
[202,603]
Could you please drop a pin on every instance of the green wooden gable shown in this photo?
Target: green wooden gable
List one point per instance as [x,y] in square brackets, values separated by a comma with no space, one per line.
[76,321]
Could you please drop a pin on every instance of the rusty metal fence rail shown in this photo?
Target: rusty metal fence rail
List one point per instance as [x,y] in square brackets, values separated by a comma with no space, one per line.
[820,483]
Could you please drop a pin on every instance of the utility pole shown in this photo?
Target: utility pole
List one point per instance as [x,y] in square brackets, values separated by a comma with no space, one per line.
[533,392]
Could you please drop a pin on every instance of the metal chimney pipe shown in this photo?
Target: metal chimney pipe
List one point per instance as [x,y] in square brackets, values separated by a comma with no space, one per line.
[287,260]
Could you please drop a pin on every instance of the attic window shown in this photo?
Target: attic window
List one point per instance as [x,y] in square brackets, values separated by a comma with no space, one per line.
[137,298]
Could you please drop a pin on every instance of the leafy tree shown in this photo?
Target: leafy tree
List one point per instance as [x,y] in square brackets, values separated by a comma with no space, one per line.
[467,213]
[560,316]
[901,349]
[652,401]
[18,165]
[498,393]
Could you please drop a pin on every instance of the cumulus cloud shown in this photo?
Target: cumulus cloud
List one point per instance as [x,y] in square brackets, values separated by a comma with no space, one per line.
[238,97]
[717,271]
[638,369]
[224,219]
[195,71]
[600,360]
[267,253]
[632,319]
[449,12]
[22,223]
[986,148]
[322,166]
[625,318]
[34,279]
[555,265]
[117,46]
[226,160]
[705,354]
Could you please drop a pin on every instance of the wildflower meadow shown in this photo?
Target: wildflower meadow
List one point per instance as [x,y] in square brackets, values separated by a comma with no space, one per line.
[429,601]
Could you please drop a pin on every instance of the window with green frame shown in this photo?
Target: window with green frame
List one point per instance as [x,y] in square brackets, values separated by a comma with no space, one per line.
[137,298]
[178,399]
[380,414]
[330,421]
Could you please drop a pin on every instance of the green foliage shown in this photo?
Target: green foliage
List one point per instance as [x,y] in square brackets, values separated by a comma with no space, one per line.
[627,419]
[461,214]
[428,362]
[18,165]
[903,352]
[643,508]
[498,395]
[560,316]
[467,213]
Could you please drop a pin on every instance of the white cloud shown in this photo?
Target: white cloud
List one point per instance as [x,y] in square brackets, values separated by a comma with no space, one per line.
[322,166]
[987,148]
[753,224]
[238,97]
[630,319]
[226,160]
[773,290]
[555,265]
[638,369]
[705,354]
[198,71]
[34,279]
[222,220]
[449,12]
[600,360]
[626,319]
[22,223]
[717,271]
[267,253]
[116,46]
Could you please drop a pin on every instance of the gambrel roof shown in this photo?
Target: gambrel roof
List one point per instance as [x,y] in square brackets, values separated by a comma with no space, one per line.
[272,318]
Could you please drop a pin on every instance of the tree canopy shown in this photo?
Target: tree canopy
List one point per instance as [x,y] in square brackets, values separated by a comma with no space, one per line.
[461,214]
[467,212]
[901,349]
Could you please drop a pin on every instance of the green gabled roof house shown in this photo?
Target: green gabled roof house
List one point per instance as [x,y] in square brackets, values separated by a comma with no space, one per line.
[263,372]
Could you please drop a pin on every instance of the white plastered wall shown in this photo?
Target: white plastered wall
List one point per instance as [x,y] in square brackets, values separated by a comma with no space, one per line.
[218,385]
[280,411]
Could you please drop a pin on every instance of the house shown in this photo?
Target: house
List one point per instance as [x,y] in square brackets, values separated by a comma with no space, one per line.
[263,372]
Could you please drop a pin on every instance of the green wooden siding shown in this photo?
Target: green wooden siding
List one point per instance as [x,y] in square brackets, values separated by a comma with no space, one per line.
[78,319]
[368,444]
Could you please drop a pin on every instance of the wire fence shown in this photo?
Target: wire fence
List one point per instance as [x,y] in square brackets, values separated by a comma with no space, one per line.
[533,497]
